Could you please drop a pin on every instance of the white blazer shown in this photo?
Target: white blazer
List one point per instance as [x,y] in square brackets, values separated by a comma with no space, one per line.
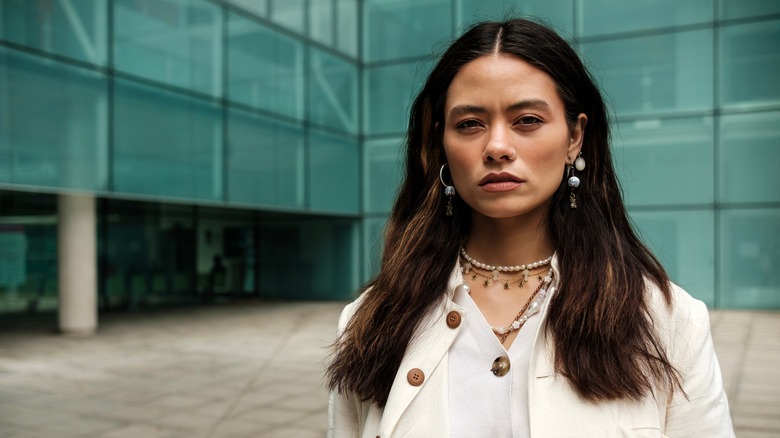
[555,408]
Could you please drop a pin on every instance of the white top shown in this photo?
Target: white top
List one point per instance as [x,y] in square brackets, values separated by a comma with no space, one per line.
[481,403]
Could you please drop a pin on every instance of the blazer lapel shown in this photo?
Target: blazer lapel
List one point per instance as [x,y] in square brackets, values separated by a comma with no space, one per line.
[430,344]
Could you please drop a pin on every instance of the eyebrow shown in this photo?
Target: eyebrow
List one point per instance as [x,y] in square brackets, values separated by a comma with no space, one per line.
[534,104]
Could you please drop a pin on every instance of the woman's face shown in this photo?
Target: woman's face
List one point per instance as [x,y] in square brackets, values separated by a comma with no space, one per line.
[506,137]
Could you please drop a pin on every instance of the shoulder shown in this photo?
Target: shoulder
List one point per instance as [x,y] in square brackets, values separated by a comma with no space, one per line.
[681,322]
[350,310]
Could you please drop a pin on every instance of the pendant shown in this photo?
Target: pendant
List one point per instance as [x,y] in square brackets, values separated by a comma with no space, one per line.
[486,283]
[506,285]
[522,282]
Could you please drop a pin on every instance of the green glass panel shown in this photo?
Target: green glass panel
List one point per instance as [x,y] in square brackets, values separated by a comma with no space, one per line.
[346,23]
[749,257]
[750,157]
[747,8]
[627,16]
[256,7]
[53,124]
[28,253]
[665,161]
[373,235]
[389,92]
[749,64]
[404,28]
[148,254]
[166,144]
[76,29]
[558,14]
[178,42]
[683,242]
[322,21]
[333,173]
[309,259]
[289,14]
[265,68]
[265,161]
[333,89]
[663,73]
[383,169]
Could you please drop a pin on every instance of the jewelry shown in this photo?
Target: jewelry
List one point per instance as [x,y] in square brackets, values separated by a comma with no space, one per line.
[494,270]
[494,277]
[449,191]
[574,181]
[530,308]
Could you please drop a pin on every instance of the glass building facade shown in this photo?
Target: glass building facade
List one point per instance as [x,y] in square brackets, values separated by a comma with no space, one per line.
[253,147]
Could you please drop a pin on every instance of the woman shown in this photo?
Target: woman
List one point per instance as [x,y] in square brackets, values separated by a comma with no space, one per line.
[514,299]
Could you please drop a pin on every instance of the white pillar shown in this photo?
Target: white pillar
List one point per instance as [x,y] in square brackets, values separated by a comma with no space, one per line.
[76,251]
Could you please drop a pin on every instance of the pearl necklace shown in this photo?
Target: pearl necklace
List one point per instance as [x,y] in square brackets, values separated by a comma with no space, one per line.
[470,262]
[531,307]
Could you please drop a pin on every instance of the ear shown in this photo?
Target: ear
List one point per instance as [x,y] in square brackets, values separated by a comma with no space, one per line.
[577,136]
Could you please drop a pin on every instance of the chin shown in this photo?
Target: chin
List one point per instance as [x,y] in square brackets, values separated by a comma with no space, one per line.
[510,211]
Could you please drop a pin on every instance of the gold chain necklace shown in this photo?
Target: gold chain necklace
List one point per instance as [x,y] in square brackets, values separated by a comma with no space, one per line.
[530,308]
[494,276]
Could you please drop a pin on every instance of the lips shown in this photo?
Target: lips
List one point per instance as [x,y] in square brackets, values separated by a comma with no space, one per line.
[497,178]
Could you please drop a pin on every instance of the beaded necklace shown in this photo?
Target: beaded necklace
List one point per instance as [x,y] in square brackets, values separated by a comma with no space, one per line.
[495,270]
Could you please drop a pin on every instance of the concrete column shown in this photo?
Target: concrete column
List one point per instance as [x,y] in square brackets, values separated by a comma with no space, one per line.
[77,248]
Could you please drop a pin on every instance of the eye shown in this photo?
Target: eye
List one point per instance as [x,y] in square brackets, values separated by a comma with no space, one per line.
[468,124]
[528,120]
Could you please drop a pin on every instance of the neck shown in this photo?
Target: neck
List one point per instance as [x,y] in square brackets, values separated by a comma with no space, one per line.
[511,241]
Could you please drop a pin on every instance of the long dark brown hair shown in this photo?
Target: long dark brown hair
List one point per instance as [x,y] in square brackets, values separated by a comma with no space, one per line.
[599,319]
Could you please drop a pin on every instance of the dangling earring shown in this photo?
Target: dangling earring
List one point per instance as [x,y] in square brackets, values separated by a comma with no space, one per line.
[574,181]
[449,191]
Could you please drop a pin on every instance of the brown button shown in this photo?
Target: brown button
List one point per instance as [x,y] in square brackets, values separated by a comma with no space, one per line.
[500,366]
[453,319]
[415,376]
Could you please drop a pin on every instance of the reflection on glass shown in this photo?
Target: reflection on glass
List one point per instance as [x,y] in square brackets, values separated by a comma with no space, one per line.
[665,161]
[750,61]
[346,26]
[333,87]
[257,7]
[404,28]
[683,242]
[265,161]
[177,42]
[288,13]
[389,92]
[166,144]
[75,29]
[147,255]
[28,253]
[750,157]
[292,267]
[333,173]
[559,13]
[53,124]
[383,169]
[636,15]
[749,257]
[265,68]
[664,73]
[373,229]
[747,8]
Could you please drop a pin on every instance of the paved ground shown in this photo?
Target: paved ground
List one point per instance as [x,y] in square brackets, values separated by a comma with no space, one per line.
[255,370]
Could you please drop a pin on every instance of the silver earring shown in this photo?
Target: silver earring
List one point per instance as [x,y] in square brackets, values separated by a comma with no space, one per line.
[574,181]
[449,191]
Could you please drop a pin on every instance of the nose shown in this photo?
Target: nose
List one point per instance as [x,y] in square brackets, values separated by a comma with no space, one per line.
[498,146]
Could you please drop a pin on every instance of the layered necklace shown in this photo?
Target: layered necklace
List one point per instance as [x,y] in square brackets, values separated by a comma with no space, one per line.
[534,302]
[473,267]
